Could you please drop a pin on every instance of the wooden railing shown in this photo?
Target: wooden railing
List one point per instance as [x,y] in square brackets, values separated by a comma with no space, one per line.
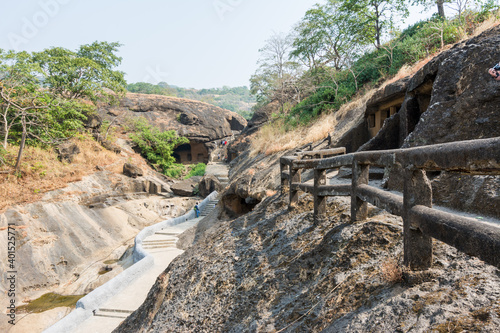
[421,222]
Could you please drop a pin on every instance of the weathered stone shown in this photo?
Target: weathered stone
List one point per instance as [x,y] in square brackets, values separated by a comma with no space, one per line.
[208,184]
[198,121]
[94,122]
[463,94]
[67,151]
[111,146]
[262,115]
[132,170]
[107,144]
[185,188]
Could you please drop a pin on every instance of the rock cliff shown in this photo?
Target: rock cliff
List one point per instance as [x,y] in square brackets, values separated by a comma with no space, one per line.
[265,268]
[198,121]
[67,241]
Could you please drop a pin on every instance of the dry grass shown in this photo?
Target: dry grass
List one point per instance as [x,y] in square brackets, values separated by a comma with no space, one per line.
[272,138]
[41,171]
[491,22]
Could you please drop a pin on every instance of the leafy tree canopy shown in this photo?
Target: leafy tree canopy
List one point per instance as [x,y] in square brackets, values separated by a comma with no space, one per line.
[88,72]
[46,96]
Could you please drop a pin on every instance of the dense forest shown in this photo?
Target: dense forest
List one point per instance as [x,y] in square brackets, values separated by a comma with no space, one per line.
[237,99]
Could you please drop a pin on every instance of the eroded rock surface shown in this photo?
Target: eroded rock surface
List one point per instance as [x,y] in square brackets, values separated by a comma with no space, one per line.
[67,238]
[195,120]
[273,269]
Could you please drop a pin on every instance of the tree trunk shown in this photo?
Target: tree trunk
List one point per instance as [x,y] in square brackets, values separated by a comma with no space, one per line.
[378,28]
[440,4]
[21,146]
[5,129]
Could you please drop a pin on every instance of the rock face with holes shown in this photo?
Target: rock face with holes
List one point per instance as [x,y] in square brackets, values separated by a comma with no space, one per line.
[275,269]
[451,98]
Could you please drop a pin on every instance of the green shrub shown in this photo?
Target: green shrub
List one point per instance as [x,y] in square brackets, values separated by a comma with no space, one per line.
[197,170]
[157,147]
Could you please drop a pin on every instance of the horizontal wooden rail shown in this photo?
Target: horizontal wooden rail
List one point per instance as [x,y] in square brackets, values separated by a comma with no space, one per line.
[322,153]
[468,235]
[334,190]
[421,222]
[474,156]
[391,202]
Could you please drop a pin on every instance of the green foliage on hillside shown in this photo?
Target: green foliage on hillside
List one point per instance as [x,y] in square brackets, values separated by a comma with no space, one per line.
[237,99]
[158,147]
[45,97]
[327,59]
[196,170]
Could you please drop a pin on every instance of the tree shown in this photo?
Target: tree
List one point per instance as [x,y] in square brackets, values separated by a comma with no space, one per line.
[326,35]
[158,147]
[23,103]
[276,73]
[428,3]
[41,94]
[376,15]
[87,73]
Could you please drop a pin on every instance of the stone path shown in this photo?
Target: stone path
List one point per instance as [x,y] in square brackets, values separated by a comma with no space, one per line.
[219,170]
[162,247]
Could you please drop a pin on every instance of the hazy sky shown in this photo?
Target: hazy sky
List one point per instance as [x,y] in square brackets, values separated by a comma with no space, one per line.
[188,43]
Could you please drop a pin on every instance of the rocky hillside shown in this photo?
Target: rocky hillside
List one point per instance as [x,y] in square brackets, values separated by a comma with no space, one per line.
[76,238]
[274,270]
[264,268]
[198,121]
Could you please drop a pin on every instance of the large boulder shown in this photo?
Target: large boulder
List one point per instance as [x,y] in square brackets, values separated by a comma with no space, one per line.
[198,121]
[67,151]
[132,170]
[208,184]
[185,188]
[464,97]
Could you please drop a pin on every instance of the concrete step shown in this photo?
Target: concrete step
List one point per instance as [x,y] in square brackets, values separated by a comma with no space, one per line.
[158,243]
[167,233]
[150,247]
[112,313]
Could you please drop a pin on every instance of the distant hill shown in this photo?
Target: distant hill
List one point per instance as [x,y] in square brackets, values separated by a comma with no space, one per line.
[237,99]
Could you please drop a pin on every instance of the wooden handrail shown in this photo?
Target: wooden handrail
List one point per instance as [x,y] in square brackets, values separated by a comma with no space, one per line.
[421,221]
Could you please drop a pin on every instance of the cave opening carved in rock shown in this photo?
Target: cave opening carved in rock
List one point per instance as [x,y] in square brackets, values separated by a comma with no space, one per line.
[190,153]
[235,206]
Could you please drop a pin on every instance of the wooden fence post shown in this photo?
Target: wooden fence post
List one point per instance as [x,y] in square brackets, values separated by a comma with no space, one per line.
[417,246]
[284,180]
[360,176]
[319,201]
[294,192]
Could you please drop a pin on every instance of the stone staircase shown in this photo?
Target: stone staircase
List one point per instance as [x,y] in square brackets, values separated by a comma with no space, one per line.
[165,240]
[208,208]
[159,242]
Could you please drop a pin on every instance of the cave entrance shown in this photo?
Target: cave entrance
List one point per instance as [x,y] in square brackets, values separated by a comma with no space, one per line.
[235,206]
[191,153]
[377,116]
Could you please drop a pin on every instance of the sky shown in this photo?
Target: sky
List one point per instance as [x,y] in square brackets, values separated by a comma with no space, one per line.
[189,43]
